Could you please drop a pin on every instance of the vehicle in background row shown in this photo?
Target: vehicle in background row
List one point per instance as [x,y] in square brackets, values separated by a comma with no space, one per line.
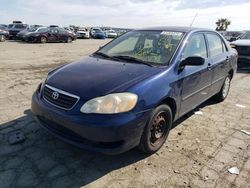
[231,35]
[50,35]
[16,28]
[110,33]
[3,27]
[4,35]
[53,26]
[130,91]
[21,34]
[83,33]
[97,33]
[242,46]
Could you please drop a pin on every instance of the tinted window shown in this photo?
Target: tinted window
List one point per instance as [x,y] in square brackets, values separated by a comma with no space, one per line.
[196,46]
[215,44]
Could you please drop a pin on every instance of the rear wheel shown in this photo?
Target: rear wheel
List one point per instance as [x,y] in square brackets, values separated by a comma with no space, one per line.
[43,40]
[156,130]
[2,38]
[222,95]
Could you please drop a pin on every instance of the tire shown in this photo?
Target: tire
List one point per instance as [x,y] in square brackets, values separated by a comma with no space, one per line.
[156,130]
[2,38]
[69,40]
[43,40]
[222,95]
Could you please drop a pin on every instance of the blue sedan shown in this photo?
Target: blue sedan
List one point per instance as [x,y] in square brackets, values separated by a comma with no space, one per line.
[129,92]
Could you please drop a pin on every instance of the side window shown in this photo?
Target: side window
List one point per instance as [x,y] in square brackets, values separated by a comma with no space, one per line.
[196,46]
[224,46]
[215,44]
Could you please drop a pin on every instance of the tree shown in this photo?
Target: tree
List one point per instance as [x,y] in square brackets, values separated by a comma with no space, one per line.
[222,24]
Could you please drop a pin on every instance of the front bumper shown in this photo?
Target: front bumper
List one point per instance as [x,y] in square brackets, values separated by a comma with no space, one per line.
[110,134]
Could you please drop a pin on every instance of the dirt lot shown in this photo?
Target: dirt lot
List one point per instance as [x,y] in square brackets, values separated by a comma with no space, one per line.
[198,153]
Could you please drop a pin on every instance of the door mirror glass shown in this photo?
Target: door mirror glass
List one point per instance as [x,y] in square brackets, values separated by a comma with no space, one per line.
[192,61]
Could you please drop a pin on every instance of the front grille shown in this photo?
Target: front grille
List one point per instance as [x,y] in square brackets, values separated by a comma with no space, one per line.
[243,50]
[59,98]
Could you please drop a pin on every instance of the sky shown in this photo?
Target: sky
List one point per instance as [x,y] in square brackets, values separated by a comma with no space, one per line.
[127,13]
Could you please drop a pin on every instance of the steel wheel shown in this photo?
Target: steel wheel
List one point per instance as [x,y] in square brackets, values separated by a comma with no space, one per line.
[157,129]
[226,87]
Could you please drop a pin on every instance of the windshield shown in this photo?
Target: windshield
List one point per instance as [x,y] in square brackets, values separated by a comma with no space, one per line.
[154,47]
[19,26]
[41,30]
[246,35]
[97,30]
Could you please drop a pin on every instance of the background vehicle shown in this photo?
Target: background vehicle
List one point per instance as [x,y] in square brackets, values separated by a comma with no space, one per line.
[50,35]
[231,35]
[110,34]
[28,30]
[4,35]
[83,33]
[130,91]
[242,46]
[16,28]
[97,33]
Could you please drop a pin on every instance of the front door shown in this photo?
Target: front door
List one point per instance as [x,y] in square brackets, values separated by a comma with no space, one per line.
[196,80]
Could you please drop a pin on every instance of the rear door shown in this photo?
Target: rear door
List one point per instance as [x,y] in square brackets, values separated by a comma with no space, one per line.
[196,79]
[53,35]
[219,63]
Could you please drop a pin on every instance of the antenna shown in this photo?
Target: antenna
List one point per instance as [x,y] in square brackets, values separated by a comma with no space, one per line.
[193,19]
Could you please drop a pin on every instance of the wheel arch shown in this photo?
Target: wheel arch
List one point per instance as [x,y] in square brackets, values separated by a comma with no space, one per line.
[231,73]
[172,104]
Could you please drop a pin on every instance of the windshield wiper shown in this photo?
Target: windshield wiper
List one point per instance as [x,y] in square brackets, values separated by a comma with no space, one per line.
[105,55]
[133,59]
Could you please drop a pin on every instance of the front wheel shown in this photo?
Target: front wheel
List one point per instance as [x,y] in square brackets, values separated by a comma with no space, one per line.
[156,130]
[69,40]
[222,95]
[2,38]
[43,40]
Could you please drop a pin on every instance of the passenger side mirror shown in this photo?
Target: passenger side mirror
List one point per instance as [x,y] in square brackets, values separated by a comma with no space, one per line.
[192,61]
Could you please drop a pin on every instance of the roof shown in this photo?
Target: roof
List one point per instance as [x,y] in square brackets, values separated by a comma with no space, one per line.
[173,28]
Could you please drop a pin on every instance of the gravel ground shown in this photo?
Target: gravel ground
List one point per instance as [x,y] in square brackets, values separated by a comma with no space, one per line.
[198,152]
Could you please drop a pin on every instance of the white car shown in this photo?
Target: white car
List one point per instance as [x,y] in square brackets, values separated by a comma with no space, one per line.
[111,34]
[83,34]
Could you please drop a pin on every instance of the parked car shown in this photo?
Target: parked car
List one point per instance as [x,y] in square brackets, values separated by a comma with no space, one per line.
[231,35]
[97,33]
[83,34]
[3,27]
[4,35]
[110,34]
[54,34]
[242,46]
[130,91]
[21,34]
[16,28]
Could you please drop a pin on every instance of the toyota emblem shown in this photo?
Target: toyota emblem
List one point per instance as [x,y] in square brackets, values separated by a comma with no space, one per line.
[55,95]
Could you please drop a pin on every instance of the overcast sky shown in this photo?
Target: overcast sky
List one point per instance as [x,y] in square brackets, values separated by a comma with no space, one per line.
[127,13]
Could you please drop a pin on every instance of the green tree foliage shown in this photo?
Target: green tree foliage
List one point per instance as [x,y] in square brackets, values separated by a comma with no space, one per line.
[222,24]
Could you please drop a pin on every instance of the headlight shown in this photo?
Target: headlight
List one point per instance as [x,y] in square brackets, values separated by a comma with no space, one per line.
[232,45]
[42,85]
[110,104]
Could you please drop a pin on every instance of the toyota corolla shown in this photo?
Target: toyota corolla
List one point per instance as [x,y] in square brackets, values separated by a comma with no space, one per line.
[130,91]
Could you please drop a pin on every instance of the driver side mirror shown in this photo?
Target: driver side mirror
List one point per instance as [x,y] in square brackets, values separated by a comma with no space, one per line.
[192,61]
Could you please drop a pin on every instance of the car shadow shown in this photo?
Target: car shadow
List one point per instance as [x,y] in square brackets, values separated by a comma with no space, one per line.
[51,160]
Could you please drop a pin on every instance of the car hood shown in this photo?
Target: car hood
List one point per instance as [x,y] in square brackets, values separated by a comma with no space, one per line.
[242,42]
[92,77]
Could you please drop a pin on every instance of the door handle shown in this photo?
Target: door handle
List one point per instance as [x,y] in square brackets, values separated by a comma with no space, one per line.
[209,66]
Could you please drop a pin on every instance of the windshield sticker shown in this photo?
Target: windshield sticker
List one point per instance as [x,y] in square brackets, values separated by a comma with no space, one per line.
[171,33]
